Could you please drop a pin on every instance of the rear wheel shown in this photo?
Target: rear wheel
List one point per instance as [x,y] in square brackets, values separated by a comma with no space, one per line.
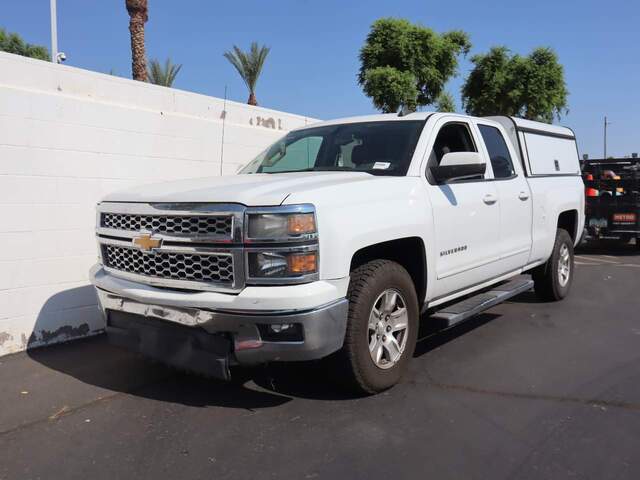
[382,326]
[552,280]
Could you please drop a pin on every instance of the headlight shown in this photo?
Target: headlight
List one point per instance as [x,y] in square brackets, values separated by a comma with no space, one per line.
[289,223]
[275,264]
[281,244]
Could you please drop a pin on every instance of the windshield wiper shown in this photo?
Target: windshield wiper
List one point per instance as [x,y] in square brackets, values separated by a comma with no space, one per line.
[322,169]
[292,171]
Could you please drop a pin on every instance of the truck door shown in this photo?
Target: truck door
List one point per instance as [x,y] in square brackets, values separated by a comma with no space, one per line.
[514,196]
[466,213]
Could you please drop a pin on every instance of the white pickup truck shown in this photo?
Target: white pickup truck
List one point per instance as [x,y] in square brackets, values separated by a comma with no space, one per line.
[335,241]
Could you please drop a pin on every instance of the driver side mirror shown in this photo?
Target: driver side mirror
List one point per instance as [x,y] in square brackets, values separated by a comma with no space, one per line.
[458,166]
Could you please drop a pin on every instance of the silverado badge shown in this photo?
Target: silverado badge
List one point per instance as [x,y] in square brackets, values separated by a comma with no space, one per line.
[146,243]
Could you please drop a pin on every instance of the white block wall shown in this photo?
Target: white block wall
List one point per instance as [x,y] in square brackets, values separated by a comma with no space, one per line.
[70,136]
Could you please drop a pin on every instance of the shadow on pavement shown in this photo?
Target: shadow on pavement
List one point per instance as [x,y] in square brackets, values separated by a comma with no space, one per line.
[603,247]
[432,336]
[93,361]
[314,380]
[527,297]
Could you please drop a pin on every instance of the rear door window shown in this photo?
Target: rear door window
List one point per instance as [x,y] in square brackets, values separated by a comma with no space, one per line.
[498,152]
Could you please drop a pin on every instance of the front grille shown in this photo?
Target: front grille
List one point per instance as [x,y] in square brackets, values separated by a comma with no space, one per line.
[196,267]
[193,225]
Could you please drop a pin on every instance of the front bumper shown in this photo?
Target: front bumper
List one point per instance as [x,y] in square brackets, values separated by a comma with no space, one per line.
[208,341]
[301,297]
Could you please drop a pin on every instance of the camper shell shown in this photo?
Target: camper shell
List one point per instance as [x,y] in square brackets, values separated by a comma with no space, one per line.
[544,149]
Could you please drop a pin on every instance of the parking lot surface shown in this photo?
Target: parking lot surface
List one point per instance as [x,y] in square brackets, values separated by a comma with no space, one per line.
[526,390]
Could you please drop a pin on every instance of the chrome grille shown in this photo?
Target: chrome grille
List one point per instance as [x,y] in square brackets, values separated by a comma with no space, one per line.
[195,246]
[195,267]
[194,225]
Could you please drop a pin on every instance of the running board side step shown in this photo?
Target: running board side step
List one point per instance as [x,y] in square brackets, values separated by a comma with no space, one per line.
[457,312]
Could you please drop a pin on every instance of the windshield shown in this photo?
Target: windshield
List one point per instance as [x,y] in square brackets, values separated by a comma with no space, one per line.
[379,148]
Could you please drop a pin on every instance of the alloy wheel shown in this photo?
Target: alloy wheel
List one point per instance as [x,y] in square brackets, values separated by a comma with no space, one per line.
[388,329]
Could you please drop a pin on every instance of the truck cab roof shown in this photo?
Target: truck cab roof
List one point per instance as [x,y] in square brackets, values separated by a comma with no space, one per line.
[520,124]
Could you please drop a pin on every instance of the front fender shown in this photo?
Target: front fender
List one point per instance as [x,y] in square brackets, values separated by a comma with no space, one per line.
[355,216]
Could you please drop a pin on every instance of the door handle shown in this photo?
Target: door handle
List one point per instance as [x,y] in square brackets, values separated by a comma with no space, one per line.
[490,199]
[523,196]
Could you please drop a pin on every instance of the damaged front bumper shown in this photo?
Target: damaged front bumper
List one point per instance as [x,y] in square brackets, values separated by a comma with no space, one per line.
[208,341]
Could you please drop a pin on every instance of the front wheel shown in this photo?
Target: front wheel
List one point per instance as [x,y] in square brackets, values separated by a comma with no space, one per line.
[382,327]
[552,280]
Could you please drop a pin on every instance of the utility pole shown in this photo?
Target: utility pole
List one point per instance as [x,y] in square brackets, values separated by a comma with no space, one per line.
[54,32]
[606,123]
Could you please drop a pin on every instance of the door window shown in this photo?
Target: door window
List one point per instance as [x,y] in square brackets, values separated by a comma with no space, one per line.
[498,152]
[453,137]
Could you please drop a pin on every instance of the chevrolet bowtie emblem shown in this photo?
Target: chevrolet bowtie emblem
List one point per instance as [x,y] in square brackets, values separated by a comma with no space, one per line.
[146,243]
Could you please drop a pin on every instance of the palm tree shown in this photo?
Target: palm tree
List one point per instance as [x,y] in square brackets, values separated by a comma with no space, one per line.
[249,66]
[445,103]
[138,13]
[162,75]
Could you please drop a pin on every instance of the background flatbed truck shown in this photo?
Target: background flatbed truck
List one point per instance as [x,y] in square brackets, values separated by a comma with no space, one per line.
[612,206]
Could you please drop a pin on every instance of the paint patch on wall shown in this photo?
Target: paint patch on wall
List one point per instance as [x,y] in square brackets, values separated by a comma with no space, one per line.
[5,337]
[66,332]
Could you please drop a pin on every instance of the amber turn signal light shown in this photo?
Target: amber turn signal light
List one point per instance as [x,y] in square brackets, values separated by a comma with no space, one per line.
[301,223]
[301,263]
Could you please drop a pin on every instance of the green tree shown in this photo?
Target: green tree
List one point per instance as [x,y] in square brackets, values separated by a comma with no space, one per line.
[164,75]
[12,43]
[445,103]
[390,88]
[531,87]
[249,66]
[396,51]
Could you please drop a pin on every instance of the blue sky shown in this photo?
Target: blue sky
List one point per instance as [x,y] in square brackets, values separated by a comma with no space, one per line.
[312,67]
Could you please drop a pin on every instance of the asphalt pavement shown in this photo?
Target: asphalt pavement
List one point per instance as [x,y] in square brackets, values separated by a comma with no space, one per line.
[528,390]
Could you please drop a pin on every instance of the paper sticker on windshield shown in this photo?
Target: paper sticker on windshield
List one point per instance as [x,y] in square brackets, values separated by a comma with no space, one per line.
[381,165]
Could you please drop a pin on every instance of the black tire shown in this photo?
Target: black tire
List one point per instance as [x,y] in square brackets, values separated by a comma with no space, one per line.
[547,281]
[354,361]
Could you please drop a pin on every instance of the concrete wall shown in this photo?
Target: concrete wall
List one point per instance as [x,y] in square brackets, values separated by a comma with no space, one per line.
[70,136]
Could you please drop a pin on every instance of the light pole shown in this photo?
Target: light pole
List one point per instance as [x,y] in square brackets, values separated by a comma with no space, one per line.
[56,56]
[54,32]
[605,136]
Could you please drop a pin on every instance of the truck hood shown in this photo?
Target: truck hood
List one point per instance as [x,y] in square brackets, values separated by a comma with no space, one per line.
[251,190]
